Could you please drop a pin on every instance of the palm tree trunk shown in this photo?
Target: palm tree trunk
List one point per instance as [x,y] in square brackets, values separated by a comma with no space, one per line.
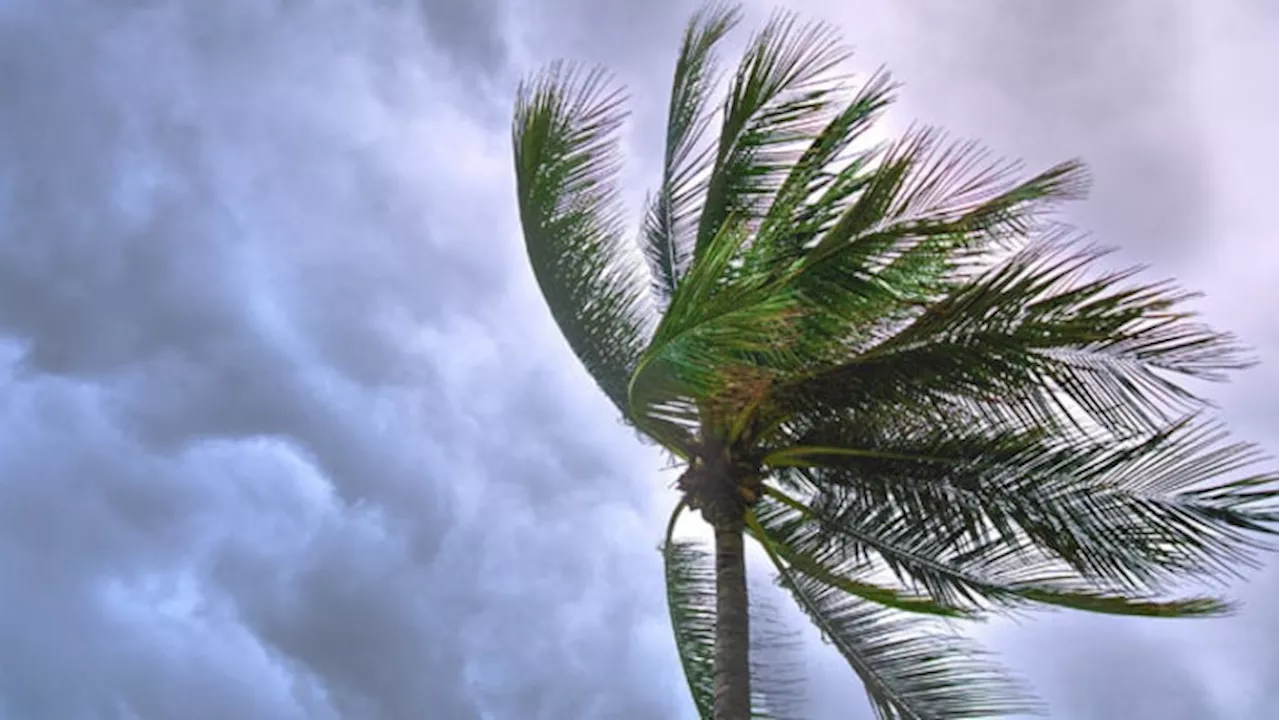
[732,657]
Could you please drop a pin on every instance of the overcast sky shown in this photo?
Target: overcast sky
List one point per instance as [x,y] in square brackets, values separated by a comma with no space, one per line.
[286,431]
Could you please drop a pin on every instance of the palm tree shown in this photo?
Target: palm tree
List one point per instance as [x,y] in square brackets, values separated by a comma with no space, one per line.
[886,365]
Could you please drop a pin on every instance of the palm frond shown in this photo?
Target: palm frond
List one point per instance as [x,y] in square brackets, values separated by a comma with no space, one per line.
[925,215]
[671,221]
[779,100]
[1033,343]
[717,337]
[1114,518]
[794,543]
[858,249]
[722,327]
[993,575]
[822,179]
[691,593]
[910,667]
[928,186]
[566,157]
[691,602]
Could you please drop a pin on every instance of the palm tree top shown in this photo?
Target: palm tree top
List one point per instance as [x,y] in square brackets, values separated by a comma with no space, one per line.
[886,363]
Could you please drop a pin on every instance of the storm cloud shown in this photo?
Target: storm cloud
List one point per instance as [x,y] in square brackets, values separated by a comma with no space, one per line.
[281,437]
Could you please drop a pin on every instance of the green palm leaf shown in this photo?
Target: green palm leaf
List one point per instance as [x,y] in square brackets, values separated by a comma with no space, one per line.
[672,218]
[811,559]
[827,174]
[1029,344]
[691,602]
[779,99]
[910,667]
[990,576]
[1130,517]
[566,157]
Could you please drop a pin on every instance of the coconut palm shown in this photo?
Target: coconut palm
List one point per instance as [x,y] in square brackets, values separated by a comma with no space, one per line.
[886,365]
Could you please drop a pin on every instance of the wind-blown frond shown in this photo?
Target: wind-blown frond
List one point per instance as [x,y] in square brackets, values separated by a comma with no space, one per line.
[691,602]
[821,180]
[751,320]
[990,576]
[723,326]
[1030,344]
[780,98]
[802,550]
[1120,517]
[927,211]
[909,666]
[566,157]
[671,222]
[715,337]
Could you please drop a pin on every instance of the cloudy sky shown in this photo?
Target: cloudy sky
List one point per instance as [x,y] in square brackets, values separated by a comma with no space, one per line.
[286,432]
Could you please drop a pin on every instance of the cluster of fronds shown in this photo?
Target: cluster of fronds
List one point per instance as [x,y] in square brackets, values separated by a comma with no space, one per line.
[956,413]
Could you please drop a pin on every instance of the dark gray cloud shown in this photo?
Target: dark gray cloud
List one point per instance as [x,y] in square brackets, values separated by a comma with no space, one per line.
[470,32]
[282,435]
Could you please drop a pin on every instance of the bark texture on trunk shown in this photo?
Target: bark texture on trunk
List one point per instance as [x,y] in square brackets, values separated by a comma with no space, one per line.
[732,659]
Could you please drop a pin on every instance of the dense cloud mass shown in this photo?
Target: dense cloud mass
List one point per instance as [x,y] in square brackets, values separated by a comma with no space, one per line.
[285,434]
[285,431]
